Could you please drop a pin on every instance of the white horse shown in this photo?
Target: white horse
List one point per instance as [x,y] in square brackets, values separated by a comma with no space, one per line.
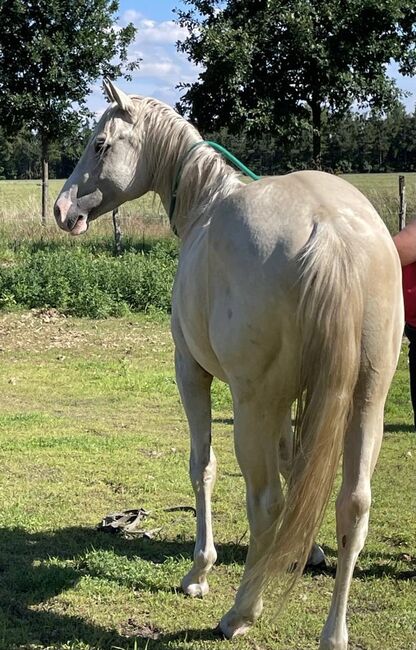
[288,289]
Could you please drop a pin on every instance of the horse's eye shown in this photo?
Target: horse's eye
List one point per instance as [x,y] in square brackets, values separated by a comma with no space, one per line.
[100,144]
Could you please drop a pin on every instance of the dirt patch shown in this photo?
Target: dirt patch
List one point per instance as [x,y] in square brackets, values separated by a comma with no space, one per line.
[132,628]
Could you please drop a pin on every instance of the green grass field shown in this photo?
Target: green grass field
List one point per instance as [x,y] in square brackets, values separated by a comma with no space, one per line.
[22,199]
[92,424]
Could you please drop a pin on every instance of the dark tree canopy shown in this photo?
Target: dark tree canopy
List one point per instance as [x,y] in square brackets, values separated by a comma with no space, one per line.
[50,53]
[268,63]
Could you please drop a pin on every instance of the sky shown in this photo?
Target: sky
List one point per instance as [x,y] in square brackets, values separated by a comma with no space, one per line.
[162,68]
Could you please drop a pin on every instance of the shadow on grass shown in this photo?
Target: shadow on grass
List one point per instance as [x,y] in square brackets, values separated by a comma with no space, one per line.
[94,246]
[378,565]
[29,579]
[399,428]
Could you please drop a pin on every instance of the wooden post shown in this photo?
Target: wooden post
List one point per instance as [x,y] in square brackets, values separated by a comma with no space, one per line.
[402,202]
[118,245]
[45,178]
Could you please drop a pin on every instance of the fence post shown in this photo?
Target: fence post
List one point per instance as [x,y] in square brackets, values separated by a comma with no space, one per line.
[402,202]
[118,244]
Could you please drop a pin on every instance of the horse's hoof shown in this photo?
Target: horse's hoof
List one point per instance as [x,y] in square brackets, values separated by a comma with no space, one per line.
[232,625]
[316,557]
[195,589]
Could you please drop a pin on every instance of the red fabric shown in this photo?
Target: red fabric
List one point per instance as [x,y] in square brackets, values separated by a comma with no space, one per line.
[409,293]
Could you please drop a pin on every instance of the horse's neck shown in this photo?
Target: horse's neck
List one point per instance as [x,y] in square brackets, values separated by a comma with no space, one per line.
[204,177]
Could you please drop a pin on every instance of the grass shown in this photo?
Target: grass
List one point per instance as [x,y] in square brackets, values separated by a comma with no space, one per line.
[21,201]
[90,424]
[43,267]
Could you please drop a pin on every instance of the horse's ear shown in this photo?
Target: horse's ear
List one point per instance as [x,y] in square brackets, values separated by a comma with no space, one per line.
[107,91]
[115,94]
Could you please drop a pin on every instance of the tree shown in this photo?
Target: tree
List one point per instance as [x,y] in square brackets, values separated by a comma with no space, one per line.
[50,53]
[272,64]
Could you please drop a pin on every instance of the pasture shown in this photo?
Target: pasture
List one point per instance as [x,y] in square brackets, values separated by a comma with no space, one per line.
[21,200]
[92,424]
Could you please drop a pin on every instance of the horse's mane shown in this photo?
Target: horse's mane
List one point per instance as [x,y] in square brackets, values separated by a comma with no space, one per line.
[204,175]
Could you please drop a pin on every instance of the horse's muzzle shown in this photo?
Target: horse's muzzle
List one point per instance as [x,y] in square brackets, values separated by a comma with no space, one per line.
[71,212]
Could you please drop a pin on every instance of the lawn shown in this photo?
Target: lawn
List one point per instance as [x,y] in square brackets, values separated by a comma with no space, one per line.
[92,424]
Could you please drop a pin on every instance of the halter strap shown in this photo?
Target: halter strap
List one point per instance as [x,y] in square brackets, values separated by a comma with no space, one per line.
[218,148]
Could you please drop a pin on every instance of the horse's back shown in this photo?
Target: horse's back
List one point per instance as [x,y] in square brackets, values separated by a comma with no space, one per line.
[257,235]
[280,212]
[244,269]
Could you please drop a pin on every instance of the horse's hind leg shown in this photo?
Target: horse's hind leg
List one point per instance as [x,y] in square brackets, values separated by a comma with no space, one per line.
[194,386]
[361,449]
[316,556]
[257,429]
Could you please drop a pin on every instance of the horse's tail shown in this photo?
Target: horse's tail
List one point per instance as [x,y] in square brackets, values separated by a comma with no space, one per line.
[330,318]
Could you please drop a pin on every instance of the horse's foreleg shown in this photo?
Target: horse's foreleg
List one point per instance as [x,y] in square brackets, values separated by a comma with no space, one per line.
[361,449]
[257,427]
[194,386]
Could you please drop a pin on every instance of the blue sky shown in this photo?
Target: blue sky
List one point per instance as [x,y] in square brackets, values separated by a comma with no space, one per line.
[162,67]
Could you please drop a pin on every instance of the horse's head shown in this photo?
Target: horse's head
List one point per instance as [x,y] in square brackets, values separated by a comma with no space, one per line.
[107,173]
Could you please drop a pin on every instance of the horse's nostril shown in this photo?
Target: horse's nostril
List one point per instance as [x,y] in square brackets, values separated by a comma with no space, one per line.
[71,221]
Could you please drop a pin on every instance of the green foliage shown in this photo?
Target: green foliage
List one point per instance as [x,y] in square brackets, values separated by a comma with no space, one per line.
[51,51]
[79,282]
[273,63]
[21,154]
[355,142]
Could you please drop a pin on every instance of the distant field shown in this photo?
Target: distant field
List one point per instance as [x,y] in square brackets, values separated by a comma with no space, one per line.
[22,199]
[25,195]
[20,210]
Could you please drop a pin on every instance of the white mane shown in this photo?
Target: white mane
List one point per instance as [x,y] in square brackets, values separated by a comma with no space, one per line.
[166,138]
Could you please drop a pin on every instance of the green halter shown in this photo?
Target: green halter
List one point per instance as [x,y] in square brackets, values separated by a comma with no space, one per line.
[217,147]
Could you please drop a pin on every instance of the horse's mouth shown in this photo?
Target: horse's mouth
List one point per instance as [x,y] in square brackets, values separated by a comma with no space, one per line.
[79,225]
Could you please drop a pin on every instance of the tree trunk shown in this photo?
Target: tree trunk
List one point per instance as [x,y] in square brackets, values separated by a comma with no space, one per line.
[316,126]
[45,178]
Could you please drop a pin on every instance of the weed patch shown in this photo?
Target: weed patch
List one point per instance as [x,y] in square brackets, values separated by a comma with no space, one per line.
[79,283]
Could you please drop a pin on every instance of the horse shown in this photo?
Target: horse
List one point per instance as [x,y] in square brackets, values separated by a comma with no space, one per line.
[288,289]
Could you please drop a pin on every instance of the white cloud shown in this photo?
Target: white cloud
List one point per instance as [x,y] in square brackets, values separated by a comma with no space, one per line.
[162,67]
[159,70]
[130,16]
[165,32]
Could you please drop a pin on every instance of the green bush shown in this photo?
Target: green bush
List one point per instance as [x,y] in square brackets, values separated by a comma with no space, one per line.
[78,282]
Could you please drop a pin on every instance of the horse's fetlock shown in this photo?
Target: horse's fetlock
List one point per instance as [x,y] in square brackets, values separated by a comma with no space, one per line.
[205,559]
